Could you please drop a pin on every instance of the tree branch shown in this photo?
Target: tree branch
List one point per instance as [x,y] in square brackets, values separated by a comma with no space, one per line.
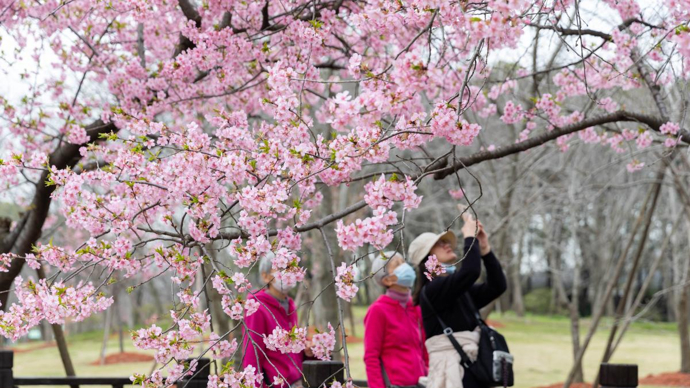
[619,116]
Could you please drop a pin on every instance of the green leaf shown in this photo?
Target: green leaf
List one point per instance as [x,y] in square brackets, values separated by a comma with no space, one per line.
[138,379]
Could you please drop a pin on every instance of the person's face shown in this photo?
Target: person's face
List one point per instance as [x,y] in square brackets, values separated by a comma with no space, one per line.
[393,263]
[267,277]
[444,252]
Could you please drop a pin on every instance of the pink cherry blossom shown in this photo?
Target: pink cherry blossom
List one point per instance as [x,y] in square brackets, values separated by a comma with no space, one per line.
[433,268]
[669,128]
[644,140]
[323,344]
[670,142]
[285,341]
[345,282]
[635,165]
[457,194]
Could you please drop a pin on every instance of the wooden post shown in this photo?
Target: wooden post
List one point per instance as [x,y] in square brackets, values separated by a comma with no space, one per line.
[618,375]
[6,364]
[322,373]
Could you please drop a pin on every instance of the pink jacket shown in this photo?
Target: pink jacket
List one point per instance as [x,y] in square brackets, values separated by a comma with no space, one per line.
[267,361]
[394,335]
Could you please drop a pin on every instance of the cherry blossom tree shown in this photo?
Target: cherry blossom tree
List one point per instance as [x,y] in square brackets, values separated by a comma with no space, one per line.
[163,132]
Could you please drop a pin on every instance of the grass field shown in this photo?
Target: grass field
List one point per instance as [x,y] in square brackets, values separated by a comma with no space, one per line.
[541,346]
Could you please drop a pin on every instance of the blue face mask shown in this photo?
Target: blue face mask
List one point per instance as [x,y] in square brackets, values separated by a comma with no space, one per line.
[450,268]
[406,275]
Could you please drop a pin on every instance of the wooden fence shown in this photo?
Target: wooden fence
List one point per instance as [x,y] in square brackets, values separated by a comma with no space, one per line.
[316,373]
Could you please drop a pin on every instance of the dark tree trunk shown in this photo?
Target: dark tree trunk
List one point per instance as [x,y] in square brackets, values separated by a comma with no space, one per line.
[683,311]
[29,228]
[518,304]
[329,302]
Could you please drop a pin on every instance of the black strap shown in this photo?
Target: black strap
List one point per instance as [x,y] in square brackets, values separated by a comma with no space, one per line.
[464,358]
[386,380]
[480,322]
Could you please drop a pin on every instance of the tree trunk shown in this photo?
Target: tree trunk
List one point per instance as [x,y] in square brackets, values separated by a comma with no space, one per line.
[64,352]
[667,282]
[505,242]
[575,336]
[614,279]
[106,333]
[574,304]
[627,319]
[620,309]
[60,340]
[121,339]
[329,302]
[518,302]
[683,311]
[351,317]
[558,295]
[157,301]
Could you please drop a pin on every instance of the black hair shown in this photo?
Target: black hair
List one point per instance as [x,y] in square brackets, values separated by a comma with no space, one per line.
[420,282]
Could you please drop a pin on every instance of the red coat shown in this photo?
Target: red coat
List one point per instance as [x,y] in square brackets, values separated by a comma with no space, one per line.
[261,322]
[395,335]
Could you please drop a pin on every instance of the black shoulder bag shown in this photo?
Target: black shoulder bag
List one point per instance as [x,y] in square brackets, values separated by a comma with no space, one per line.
[494,364]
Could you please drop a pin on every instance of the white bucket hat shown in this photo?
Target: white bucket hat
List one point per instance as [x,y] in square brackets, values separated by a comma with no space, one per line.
[421,246]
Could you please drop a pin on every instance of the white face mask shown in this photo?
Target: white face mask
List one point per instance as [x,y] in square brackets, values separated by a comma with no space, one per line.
[282,287]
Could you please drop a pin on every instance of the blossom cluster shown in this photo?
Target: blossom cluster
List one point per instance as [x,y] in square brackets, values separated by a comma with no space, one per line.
[323,344]
[285,341]
[55,303]
[382,193]
[433,268]
[345,282]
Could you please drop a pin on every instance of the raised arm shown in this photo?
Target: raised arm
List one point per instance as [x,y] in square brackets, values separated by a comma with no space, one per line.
[458,282]
[495,284]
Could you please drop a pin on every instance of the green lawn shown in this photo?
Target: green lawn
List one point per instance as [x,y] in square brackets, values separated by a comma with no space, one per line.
[541,346]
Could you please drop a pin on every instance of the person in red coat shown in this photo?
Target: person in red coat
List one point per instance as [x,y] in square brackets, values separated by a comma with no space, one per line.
[277,309]
[394,351]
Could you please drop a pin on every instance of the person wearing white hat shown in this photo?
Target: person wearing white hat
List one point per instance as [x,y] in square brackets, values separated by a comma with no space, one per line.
[445,297]
[394,351]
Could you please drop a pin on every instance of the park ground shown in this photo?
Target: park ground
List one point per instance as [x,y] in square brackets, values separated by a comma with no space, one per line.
[541,345]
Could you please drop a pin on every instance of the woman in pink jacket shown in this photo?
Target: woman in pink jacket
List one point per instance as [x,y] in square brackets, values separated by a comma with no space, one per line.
[394,352]
[277,309]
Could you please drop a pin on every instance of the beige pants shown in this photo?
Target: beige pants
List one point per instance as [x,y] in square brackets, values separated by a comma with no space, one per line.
[445,370]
